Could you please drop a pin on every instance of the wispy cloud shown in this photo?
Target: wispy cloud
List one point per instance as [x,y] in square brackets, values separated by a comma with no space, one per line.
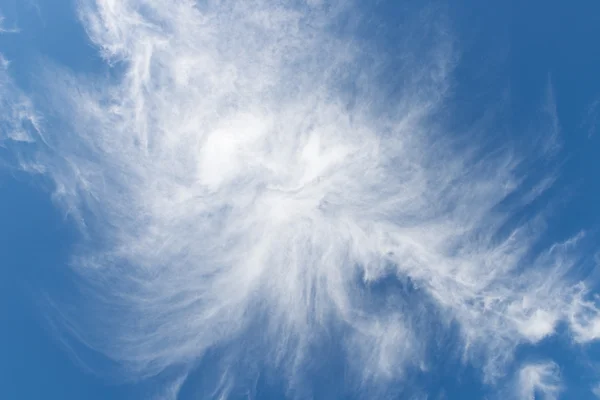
[20,123]
[590,119]
[3,26]
[246,167]
[542,379]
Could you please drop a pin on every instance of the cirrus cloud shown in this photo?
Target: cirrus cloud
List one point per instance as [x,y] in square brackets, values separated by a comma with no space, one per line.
[242,165]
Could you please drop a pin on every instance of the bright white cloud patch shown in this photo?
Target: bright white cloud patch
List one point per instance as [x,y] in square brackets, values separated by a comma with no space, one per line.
[244,168]
[541,380]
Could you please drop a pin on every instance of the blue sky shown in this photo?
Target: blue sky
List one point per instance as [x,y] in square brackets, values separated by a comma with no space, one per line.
[328,200]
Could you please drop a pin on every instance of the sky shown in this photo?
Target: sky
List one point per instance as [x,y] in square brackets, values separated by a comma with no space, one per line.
[311,199]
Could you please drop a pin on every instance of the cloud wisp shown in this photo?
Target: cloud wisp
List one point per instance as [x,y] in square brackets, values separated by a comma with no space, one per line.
[242,165]
[541,378]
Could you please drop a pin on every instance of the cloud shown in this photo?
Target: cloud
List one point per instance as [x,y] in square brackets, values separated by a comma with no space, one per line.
[244,170]
[541,379]
[3,28]
[590,120]
[596,390]
[20,123]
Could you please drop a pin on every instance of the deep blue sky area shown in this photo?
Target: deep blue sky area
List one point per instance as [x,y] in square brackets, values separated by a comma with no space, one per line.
[516,54]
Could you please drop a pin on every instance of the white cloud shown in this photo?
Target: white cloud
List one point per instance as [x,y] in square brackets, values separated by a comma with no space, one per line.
[584,317]
[541,379]
[19,122]
[227,177]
